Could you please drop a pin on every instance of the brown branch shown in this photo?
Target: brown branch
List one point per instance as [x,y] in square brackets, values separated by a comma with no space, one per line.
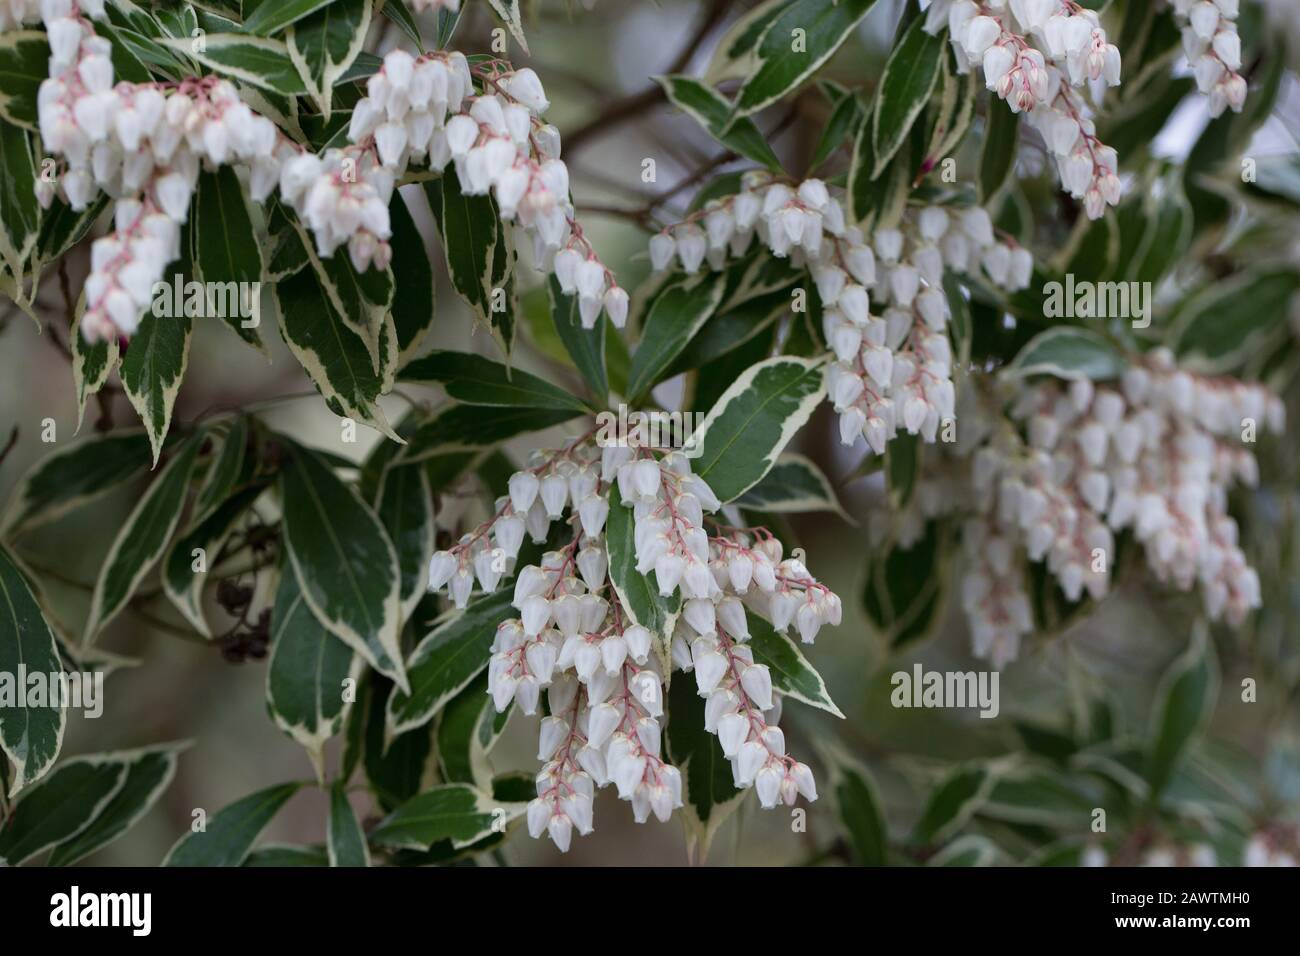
[629,106]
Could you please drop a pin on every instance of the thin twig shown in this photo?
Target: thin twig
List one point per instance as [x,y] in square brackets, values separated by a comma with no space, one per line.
[630,106]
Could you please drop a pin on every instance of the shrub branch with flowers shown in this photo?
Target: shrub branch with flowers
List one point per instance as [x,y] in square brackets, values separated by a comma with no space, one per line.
[640,596]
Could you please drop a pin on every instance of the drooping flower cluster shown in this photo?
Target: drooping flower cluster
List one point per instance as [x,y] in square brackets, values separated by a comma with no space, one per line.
[892,371]
[1157,454]
[602,670]
[1035,55]
[1213,49]
[1275,845]
[424,109]
[1160,854]
[142,144]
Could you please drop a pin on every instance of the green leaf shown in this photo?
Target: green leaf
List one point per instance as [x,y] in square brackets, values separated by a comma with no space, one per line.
[455,811]
[676,312]
[62,227]
[30,736]
[346,840]
[709,794]
[902,466]
[736,53]
[787,58]
[1184,701]
[345,564]
[447,22]
[795,485]
[998,154]
[396,769]
[74,475]
[874,199]
[467,730]
[471,232]
[969,850]
[792,675]
[60,806]
[142,539]
[307,679]
[259,61]
[446,660]
[20,213]
[711,110]
[227,250]
[508,11]
[152,370]
[225,471]
[905,586]
[324,44]
[1069,353]
[638,593]
[404,504]
[270,17]
[905,87]
[842,125]
[858,806]
[334,356]
[149,771]
[413,309]
[754,420]
[585,346]
[1034,796]
[962,792]
[231,831]
[281,855]
[24,64]
[1167,239]
[398,12]
[476,380]
[1226,322]
[181,582]
[461,432]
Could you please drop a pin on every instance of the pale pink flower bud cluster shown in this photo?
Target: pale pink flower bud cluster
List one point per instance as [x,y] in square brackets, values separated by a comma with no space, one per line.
[1275,845]
[1158,454]
[1033,52]
[1213,49]
[15,13]
[1160,854]
[893,371]
[424,109]
[803,222]
[143,144]
[603,673]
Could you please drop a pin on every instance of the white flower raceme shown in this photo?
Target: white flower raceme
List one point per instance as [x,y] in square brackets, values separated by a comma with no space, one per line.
[143,144]
[1035,54]
[15,13]
[424,109]
[1157,454]
[1213,49]
[603,673]
[891,371]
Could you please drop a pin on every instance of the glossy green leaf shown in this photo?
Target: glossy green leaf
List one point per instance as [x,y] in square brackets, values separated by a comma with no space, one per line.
[142,539]
[754,420]
[231,831]
[345,564]
[346,840]
[446,660]
[29,735]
